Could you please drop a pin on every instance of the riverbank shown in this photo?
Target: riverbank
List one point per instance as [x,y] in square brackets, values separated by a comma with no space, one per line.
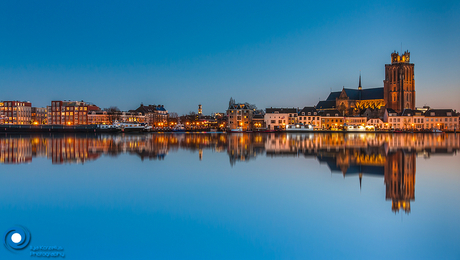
[95,129]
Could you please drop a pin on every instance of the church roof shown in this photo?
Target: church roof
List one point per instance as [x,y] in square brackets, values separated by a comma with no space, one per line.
[328,104]
[372,93]
[333,95]
[356,94]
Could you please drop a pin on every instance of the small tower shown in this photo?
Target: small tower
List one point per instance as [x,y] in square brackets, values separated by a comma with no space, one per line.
[200,110]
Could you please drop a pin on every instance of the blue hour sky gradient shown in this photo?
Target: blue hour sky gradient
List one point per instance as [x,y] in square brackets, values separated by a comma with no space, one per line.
[182,53]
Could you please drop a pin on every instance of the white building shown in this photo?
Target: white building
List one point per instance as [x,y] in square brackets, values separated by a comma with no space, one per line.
[278,118]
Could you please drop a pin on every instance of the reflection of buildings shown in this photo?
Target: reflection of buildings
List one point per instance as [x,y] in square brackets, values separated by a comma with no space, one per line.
[78,148]
[70,150]
[400,180]
[397,168]
[388,156]
[242,147]
[392,157]
[15,151]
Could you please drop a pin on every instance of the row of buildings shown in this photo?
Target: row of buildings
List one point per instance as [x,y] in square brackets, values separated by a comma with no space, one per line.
[65,112]
[389,107]
[408,119]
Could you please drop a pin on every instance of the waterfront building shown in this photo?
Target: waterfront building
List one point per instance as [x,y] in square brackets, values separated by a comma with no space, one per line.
[309,115]
[377,123]
[399,83]
[413,119]
[239,115]
[278,118]
[154,115]
[392,119]
[16,112]
[68,113]
[331,120]
[258,122]
[221,119]
[132,116]
[442,119]
[355,120]
[39,115]
[403,120]
[99,117]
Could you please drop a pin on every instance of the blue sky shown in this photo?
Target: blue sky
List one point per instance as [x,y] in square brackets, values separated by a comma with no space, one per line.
[182,53]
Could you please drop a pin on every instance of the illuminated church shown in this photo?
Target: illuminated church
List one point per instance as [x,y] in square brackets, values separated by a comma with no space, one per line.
[398,91]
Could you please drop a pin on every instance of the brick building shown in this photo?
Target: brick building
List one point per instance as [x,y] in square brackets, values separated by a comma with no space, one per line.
[68,113]
[16,112]
[39,115]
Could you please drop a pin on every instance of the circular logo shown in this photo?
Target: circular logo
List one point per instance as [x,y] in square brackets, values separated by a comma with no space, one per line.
[17,238]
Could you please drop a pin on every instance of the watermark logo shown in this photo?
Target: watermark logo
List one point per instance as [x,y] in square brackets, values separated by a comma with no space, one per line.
[17,238]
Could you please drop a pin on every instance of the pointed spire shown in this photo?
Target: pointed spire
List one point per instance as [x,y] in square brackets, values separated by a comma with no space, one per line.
[360,87]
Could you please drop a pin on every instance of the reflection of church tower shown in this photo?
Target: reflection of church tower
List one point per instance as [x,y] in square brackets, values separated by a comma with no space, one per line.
[359,86]
[200,154]
[399,84]
[400,180]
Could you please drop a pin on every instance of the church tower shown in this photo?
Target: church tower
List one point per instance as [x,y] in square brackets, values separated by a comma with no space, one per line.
[399,84]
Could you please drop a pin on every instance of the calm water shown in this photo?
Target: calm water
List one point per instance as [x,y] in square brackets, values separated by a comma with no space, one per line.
[239,196]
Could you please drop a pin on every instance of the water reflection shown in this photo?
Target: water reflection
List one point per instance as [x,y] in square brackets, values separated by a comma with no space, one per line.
[391,156]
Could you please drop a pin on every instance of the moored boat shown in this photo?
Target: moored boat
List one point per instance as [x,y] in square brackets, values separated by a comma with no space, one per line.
[130,127]
[108,128]
[299,128]
[236,130]
[358,128]
[178,128]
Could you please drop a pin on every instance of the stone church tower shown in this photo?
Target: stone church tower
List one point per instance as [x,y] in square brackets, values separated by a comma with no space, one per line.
[399,84]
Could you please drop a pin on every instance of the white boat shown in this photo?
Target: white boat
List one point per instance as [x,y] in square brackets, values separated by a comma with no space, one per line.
[237,130]
[108,128]
[299,128]
[435,130]
[358,128]
[131,126]
[178,128]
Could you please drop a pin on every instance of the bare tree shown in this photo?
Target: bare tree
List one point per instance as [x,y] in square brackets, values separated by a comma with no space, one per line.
[112,109]
[251,106]
[231,102]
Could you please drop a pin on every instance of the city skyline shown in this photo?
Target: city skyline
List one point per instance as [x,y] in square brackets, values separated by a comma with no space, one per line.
[181,55]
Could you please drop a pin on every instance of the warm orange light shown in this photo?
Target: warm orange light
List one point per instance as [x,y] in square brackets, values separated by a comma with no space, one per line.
[35,123]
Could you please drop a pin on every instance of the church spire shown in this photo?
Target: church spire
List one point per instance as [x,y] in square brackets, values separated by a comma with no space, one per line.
[360,87]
